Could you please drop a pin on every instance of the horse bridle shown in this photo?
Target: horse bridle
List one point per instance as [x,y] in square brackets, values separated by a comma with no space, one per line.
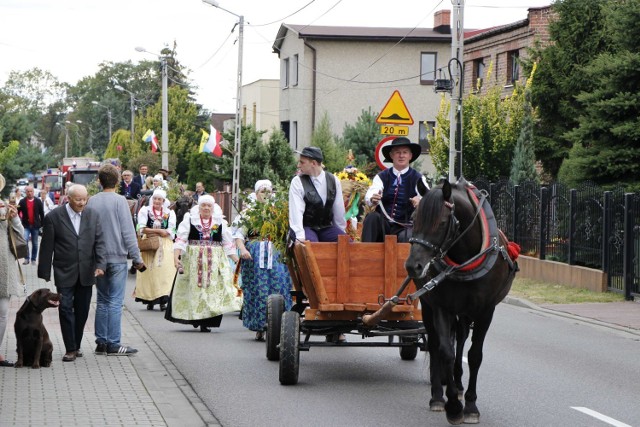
[449,238]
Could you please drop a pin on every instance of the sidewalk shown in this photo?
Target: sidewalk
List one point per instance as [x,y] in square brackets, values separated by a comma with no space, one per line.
[141,390]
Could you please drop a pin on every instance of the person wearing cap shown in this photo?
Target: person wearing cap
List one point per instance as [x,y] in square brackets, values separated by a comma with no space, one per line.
[8,266]
[393,194]
[154,285]
[316,209]
[261,267]
[165,174]
[128,187]
[203,288]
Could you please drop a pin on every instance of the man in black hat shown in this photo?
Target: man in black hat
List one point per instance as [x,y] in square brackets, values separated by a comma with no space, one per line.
[394,194]
[316,209]
[165,174]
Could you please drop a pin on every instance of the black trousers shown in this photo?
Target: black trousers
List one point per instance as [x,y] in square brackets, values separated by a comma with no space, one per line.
[375,226]
[73,313]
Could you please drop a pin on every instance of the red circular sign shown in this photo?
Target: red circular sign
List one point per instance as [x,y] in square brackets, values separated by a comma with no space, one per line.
[382,164]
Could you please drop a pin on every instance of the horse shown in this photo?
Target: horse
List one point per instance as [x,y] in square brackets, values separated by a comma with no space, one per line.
[467,267]
[182,205]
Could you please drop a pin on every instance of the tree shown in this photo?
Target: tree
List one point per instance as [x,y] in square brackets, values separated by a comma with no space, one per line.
[335,157]
[577,37]
[122,148]
[606,142]
[282,164]
[254,159]
[8,154]
[523,165]
[490,130]
[362,138]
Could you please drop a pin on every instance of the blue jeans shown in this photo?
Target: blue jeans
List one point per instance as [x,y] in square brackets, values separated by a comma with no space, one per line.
[110,297]
[32,233]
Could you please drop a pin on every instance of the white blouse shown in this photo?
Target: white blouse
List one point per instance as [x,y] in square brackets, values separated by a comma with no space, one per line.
[147,211]
[193,217]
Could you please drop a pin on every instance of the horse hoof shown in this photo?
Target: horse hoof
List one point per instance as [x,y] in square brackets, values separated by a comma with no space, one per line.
[471,418]
[436,406]
[457,420]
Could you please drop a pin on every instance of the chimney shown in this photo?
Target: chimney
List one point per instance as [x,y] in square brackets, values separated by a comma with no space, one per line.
[442,22]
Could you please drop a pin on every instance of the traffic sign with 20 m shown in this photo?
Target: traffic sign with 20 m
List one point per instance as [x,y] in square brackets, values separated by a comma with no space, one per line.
[394,130]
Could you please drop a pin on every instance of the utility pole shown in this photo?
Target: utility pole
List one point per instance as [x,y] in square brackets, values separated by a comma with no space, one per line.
[457,74]
[165,116]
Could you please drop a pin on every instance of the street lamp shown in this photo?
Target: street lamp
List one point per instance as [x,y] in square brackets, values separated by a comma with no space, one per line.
[133,111]
[108,115]
[235,191]
[165,108]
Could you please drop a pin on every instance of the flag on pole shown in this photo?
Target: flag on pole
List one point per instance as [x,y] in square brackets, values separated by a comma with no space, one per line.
[213,143]
[150,137]
[203,141]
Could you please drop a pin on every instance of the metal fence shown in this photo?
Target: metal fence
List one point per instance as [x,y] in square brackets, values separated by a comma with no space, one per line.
[584,226]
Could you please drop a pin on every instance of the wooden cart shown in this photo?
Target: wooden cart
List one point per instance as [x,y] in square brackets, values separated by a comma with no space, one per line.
[341,282]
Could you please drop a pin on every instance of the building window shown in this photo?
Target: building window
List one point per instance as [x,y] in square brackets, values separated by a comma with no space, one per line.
[294,70]
[513,67]
[426,130]
[478,74]
[284,73]
[284,126]
[244,115]
[427,68]
[294,135]
[254,114]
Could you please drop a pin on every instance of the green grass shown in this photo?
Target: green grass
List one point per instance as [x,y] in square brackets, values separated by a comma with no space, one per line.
[554,293]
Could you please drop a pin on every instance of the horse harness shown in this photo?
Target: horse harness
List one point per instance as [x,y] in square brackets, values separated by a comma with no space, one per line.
[478,265]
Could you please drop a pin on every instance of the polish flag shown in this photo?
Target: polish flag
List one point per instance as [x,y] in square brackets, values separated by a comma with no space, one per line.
[213,143]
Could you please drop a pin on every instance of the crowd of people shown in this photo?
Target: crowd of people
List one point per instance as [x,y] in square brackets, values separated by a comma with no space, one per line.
[187,268]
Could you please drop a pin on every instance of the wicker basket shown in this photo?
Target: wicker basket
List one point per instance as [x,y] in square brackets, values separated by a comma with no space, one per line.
[149,244]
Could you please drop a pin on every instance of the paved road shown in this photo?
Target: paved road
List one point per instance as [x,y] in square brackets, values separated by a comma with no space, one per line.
[537,367]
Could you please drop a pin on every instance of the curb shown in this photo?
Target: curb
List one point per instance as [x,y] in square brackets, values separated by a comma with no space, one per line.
[519,302]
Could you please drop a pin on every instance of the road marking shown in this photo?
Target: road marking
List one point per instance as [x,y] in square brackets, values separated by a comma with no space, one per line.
[600,416]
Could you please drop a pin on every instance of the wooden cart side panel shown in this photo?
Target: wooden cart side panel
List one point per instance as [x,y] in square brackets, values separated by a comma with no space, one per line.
[390,265]
[307,278]
[343,283]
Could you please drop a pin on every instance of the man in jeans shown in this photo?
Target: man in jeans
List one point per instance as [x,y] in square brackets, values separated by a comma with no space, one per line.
[31,210]
[120,242]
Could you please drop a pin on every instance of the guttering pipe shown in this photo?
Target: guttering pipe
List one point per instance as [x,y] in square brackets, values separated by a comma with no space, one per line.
[313,86]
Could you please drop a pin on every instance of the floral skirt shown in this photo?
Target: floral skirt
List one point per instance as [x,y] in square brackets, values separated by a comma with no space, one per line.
[205,290]
[262,276]
[154,285]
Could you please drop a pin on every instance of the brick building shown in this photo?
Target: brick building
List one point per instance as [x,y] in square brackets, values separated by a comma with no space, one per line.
[503,47]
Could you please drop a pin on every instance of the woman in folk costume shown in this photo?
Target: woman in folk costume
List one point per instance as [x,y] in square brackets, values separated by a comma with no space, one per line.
[154,285]
[203,288]
[160,184]
[263,272]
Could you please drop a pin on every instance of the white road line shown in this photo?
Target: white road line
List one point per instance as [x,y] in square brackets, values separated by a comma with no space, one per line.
[599,416]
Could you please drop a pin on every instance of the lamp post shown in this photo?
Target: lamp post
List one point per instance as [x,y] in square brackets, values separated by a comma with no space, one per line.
[235,190]
[108,115]
[455,112]
[133,111]
[165,108]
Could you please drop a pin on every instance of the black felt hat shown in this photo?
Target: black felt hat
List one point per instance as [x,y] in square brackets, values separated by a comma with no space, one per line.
[401,142]
[314,153]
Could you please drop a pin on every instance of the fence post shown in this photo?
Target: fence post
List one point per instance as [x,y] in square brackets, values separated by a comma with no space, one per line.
[573,208]
[543,237]
[606,232]
[627,251]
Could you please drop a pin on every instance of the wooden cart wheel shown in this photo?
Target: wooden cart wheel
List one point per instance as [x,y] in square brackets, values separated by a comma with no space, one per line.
[409,353]
[275,308]
[289,351]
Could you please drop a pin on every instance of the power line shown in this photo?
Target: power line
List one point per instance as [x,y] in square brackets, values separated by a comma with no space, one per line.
[282,19]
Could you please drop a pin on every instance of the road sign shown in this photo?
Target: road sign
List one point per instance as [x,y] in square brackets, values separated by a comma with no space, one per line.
[395,112]
[382,164]
[394,130]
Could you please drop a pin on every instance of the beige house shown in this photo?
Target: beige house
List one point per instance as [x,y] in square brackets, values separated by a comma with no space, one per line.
[341,71]
[261,105]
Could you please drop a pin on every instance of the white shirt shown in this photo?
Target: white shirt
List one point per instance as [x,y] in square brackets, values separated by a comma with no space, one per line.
[297,204]
[377,186]
[75,218]
[48,204]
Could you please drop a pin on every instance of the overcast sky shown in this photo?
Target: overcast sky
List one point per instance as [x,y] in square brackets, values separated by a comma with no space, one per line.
[70,38]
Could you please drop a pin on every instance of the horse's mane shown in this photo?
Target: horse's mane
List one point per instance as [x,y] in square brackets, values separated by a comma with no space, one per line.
[429,211]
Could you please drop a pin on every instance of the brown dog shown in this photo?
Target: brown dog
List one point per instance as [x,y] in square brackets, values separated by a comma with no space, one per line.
[34,346]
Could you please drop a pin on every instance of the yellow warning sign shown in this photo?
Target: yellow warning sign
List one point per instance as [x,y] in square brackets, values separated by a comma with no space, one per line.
[395,112]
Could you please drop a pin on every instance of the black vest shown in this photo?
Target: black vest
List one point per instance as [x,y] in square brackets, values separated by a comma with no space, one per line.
[216,235]
[316,215]
[398,205]
[164,222]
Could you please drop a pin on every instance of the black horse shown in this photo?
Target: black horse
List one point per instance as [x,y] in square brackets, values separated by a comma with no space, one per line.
[467,263]
[182,205]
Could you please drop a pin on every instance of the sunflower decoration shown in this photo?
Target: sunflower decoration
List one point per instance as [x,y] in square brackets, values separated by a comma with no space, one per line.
[354,186]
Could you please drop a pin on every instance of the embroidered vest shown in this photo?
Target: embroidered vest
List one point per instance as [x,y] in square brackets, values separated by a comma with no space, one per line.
[215,236]
[316,215]
[395,199]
